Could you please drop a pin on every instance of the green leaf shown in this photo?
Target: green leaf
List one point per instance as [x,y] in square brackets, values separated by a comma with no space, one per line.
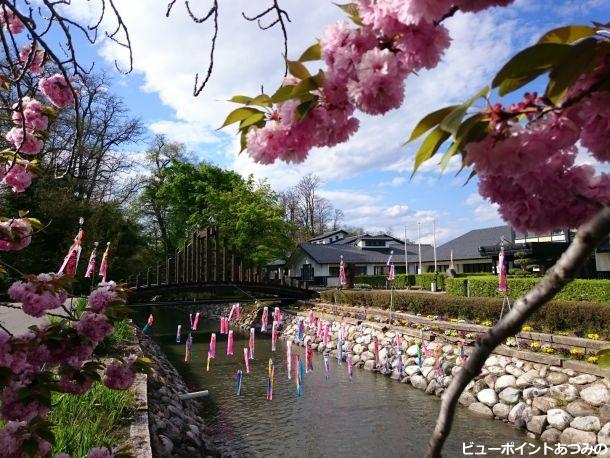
[528,64]
[283,94]
[603,357]
[429,147]
[429,121]
[240,99]
[473,173]
[567,34]
[256,117]
[242,141]
[580,59]
[352,10]
[47,435]
[314,52]
[304,87]
[452,121]
[297,69]
[30,446]
[239,115]
[306,107]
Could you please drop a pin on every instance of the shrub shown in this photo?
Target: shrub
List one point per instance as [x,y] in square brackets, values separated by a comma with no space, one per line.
[456,286]
[554,316]
[577,290]
[402,281]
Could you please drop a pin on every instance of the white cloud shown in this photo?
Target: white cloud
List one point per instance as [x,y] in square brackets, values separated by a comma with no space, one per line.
[483,210]
[184,132]
[396,181]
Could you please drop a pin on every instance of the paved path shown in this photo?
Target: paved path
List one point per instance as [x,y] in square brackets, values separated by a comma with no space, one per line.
[16,321]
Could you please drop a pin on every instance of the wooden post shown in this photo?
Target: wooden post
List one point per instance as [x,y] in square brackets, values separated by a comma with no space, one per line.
[216,254]
[177,267]
[224,259]
[168,271]
[233,264]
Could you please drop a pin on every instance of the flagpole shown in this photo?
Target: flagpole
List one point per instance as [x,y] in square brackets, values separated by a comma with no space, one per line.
[406,255]
[419,243]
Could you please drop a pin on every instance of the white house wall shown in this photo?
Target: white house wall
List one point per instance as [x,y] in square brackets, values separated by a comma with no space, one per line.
[602,262]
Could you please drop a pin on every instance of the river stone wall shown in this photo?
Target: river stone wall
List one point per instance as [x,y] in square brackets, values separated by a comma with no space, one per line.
[176,429]
[552,403]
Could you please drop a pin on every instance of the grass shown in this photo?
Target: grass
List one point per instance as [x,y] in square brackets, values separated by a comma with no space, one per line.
[113,344]
[99,418]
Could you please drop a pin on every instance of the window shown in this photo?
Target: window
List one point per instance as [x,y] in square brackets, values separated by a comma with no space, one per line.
[374,243]
[439,268]
[333,271]
[381,270]
[477,267]
[307,272]
[359,270]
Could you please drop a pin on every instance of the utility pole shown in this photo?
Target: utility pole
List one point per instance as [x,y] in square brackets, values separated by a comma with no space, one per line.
[435,264]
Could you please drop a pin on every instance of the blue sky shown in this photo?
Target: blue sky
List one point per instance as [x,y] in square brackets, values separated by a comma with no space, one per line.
[367,177]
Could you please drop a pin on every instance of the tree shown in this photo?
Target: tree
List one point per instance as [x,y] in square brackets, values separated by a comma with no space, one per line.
[525,264]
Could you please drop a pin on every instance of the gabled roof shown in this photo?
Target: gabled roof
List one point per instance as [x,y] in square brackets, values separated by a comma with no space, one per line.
[466,246]
[327,234]
[347,240]
[331,253]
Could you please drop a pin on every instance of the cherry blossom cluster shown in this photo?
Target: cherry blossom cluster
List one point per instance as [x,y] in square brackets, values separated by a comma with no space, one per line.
[57,355]
[366,70]
[31,118]
[15,234]
[530,170]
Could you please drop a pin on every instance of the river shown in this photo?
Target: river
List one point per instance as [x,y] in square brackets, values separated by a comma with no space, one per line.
[371,415]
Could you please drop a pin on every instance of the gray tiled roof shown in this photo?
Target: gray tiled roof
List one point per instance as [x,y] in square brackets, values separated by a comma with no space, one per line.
[331,253]
[466,246]
[326,234]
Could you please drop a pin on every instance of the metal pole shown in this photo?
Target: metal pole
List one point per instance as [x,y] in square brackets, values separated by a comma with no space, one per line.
[419,243]
[406,261]
[434,239]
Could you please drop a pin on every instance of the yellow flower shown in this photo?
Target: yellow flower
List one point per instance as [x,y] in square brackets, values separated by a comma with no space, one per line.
[526,328]
[535,344]
[592,359]
[593,336]
[486,323]
[548,350]
[577,351]
[454,320]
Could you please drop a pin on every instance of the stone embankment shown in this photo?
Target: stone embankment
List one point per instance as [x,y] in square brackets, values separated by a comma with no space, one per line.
[176,429]
[550,402]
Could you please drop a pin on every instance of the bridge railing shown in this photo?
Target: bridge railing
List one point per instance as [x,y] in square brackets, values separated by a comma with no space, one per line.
[205,257]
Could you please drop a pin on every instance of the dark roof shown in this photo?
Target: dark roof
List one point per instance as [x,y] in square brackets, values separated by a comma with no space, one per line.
[466,246]
[331,253]
[379,237]
[347,240]
[327,234]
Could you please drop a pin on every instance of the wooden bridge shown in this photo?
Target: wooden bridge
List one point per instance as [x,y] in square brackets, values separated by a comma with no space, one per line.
[206,267]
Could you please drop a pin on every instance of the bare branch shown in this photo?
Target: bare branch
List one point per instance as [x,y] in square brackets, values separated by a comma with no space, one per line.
[589,236]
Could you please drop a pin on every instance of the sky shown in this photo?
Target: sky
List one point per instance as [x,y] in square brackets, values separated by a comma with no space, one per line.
[367,177]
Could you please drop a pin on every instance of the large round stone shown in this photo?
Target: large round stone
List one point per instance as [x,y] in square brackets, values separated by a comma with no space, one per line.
[564,392]
[556,378]
[589,423]
[550,436]
[580,408]
[466,399]
[603,437]
[537,424]
[583,379]
[576,436]
[510,395]
[505,381]
[488,397]
[478,408]
[544,403]
[596,395]
[419,382]
[501,410]
[519,411]
[559,419]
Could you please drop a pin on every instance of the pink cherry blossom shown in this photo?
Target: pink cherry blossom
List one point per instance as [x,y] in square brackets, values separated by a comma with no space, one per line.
[381,14]
[8,19]
[102,296]
[37,296]
[94,327]
[19,177]
[380,84]
[478,5]
[14,409]
[100,453]
[593,115]
[119,376]
[69,384]
[57,90]
[31,145]
[36,65]
[422,46]
[15,234]
[35,119]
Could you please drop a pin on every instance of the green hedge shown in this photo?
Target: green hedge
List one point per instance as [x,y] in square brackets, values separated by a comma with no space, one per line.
[554,316]
[402,281]
[577,290]
[456,286]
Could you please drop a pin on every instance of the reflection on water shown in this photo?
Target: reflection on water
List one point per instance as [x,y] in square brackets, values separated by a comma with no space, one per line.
[371,416]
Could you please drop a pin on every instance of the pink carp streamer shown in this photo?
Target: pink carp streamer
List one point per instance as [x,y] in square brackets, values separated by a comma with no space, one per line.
[212,349]
[398,342]
[251,343]
[265,319]
[462,352]
[196,322]
[277,316]
[179,333]
[270,380]
[274,336]
[224,329]
[299,375]
[326,332]
[247,360]
[376,348]
[438,351]
[348,359]
[311,319]
[188,347]
[308,356]
[319,330]
[231,312]
[230,343]
[148,324]
[326,358]
[289,358]
[237,312]
[300,330]
[419,357]
[239,377]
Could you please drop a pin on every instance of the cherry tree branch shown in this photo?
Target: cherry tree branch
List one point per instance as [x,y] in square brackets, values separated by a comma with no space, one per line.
[589,236]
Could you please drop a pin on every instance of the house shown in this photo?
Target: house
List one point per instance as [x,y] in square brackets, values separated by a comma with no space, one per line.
[476,251]
[317,261]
